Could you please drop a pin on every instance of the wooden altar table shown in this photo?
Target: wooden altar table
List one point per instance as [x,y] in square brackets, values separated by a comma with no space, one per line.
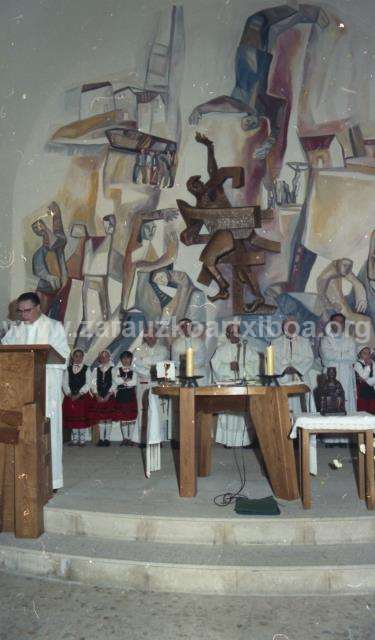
[269,413]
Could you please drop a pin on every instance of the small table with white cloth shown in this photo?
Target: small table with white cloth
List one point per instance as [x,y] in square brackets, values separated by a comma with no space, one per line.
[360,423]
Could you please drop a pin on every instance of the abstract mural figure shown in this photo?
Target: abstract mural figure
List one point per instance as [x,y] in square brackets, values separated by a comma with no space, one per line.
[331,298]
[250,95]
[140,235]
[231,231]
[167,293]
[298,168]
[155,160]
[96,266]
[48,262]
[78,236]
[74,258]
[281,193]
[367,276]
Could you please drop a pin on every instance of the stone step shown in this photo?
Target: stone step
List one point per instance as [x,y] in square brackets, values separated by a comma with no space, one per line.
[239,530]
[220,569]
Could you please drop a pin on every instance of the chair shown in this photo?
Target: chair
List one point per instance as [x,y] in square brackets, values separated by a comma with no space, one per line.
[362,425]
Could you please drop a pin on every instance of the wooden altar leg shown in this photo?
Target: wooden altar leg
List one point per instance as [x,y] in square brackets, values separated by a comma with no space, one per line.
[207,422]
[29,476]
[370,480]
[188,468]
[361,469]
[304,456]
[271,419]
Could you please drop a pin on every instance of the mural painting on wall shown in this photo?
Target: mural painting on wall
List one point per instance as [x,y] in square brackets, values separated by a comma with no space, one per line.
[106,247]
[231,238]
[115,242]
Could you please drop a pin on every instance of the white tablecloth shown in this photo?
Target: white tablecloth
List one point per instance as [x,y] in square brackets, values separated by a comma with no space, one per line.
[358,421]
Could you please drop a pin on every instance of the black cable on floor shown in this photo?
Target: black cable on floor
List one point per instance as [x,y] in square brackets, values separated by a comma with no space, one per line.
[225,499]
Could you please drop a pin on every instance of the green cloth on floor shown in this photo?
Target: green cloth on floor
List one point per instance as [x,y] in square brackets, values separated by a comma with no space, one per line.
[261,507]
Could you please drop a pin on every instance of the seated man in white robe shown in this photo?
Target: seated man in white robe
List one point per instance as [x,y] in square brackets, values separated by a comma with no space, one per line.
[234,360]
[338,349]
[185,340]
[294,358]
[36,328]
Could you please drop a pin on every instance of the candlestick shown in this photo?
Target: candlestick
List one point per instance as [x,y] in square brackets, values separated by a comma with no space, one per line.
[189,362]
[270,361]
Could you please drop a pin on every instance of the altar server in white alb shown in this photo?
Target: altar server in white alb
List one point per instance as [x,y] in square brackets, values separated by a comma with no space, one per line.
[36,328]
[185,340]
[294,358]
[234,360]
[151,425]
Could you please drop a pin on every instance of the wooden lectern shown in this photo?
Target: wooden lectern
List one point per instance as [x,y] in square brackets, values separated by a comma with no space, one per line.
[25,442]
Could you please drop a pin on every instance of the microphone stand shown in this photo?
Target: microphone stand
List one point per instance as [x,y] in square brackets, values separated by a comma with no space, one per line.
[237,371]
[244,345]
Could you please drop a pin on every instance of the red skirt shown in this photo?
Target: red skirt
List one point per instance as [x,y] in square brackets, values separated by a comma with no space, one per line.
[126,411]
[102,411]
[76,412]
[366,404]
[126,405]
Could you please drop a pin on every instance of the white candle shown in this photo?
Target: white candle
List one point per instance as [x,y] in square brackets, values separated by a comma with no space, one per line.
[270,361]
[189,362]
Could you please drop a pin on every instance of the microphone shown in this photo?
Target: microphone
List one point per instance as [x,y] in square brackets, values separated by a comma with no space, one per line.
[244,342]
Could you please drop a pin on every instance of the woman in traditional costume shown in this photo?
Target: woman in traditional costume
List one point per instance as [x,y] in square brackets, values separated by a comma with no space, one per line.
[365,377]
[126,400]
[103,404]
[76,386]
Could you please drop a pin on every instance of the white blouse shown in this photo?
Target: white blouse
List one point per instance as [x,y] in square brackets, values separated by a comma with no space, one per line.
[364,372]
[119,381]
[86,386]
[94,379]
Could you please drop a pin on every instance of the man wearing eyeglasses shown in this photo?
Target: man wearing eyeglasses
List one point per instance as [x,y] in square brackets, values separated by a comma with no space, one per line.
[34,327]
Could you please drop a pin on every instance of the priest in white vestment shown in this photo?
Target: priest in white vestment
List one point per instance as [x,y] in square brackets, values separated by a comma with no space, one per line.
[338,349]
[36,328]
[234,360]
[185,340]
[294,358]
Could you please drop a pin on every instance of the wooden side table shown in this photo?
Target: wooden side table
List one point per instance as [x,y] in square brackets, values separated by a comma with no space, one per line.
[360,424]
